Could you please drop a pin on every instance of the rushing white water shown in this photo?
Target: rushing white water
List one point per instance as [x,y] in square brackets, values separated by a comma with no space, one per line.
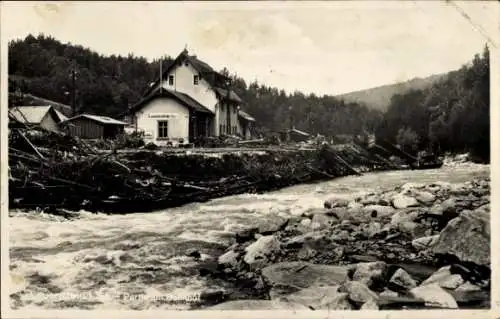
[91,261]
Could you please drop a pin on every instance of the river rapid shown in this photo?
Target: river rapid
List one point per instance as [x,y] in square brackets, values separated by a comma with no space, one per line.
[138,261]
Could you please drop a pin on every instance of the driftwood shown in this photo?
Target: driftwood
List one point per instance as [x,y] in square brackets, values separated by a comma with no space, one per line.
[31,145]
[64,172]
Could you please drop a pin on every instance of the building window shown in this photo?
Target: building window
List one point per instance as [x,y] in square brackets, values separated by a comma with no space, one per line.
[220,128]
[196,79]
[222,107]
[162,129]
[170,80]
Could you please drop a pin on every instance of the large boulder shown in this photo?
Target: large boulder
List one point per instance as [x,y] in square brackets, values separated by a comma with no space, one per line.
[444,278]
[229,259]
[467,237]
[370,273]
[447,208]
[303,274]
[318,298]
[257,305]
[358,292]
[401,201]
[425,197]
[271,226]
[258,252]
[435,296]
[402,280]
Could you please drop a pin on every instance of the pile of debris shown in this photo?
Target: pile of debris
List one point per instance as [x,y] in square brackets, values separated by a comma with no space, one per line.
[53,170]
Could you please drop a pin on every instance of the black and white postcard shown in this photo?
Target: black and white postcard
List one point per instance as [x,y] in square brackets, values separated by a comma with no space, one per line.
[270,158]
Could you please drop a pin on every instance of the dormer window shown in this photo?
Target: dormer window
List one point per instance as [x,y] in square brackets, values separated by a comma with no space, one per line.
[170,80]
[196,79]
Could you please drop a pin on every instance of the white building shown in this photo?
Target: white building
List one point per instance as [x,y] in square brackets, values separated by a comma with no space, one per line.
[190,101]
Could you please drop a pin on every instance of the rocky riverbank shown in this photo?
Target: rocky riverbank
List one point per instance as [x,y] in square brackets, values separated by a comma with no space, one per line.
[414,246]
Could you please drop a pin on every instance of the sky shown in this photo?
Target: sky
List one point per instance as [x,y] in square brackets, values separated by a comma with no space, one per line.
[316,47]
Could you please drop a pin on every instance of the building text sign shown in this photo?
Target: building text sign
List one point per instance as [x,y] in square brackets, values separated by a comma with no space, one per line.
[162,115]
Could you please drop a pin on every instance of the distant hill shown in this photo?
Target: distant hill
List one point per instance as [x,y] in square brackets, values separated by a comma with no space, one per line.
[380,97]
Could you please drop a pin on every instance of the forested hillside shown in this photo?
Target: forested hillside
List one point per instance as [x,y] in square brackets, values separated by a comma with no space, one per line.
[380,97]
[42,66]
[451,115]
[109,84]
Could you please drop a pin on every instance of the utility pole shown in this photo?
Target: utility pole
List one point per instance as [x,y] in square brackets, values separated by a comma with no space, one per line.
[73,92]
[309,120]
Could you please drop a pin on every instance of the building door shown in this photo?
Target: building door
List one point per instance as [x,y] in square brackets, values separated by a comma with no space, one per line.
[192,127]
[201,126]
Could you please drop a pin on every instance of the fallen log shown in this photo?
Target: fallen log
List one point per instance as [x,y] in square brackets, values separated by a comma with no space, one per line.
[31,145]
[320,172]
[349,167]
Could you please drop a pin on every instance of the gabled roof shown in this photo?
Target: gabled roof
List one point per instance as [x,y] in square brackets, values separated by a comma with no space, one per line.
[97,118]
[34,114]
[203,68]
[62,117]
[246,116]
[184,99]
[224,95]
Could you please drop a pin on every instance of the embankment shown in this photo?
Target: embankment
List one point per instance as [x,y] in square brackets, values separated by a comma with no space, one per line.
[54,172]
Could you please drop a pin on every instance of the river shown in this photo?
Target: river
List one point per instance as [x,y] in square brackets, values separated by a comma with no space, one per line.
[89,262]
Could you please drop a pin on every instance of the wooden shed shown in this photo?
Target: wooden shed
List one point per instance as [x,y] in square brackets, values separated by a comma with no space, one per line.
[93,127]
